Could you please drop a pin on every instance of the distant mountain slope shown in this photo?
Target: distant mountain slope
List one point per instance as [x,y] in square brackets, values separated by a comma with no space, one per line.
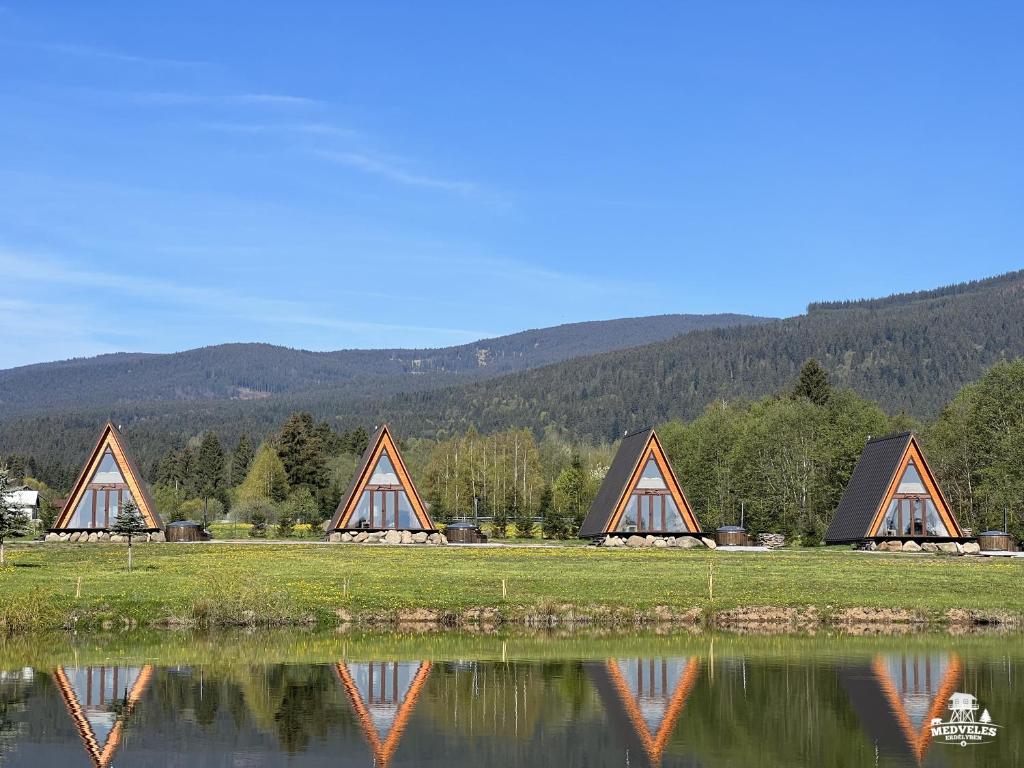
[254,371]
[910,352]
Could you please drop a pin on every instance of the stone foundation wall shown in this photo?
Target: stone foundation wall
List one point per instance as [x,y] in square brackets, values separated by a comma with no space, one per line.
[945,547]
[675,542]
[388,537]
[94,536]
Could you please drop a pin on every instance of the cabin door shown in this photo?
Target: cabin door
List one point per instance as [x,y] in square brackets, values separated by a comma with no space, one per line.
[383,509]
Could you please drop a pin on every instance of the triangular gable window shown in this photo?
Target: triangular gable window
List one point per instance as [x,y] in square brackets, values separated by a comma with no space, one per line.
[651,505]
[384,473]
[912,510]
[105,494]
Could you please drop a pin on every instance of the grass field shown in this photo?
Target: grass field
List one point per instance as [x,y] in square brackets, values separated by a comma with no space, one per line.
[87,586]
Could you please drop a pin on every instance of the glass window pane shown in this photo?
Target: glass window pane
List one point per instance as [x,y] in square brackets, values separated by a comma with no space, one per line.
[407,519]
[891,521]
[107,473]
[361,516]
[651,477]
[673,518]
[384,473]
[934,525]
[911,482]
[82,517]
[628,521]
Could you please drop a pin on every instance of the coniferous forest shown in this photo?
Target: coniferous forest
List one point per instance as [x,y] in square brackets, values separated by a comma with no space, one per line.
[781,461]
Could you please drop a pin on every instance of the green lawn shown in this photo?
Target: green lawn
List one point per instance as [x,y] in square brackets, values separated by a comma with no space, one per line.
[256,583]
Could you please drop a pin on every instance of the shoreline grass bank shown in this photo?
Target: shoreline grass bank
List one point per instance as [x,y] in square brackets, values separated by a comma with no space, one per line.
[87,587]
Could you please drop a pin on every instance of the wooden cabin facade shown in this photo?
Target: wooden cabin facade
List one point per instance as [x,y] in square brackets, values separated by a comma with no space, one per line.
[893,496]
[108,479]
[640,494]
[382,495]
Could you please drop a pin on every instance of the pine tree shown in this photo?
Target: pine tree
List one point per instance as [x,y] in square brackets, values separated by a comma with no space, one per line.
[813,383]
[259,525]
[358,439]
[301,449]
[209,465]
[241,458]
[12,521]
[129,523]
[524,522]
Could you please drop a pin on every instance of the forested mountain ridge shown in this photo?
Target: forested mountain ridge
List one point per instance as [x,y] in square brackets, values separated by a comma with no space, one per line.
[254,371]
[910,352]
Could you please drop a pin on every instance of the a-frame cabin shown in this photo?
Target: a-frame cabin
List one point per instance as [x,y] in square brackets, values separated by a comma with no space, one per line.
[382,495]
[897,696]
[99,699]
[644,699]
[383,695]
[640,494]
[108,479]
[893,495]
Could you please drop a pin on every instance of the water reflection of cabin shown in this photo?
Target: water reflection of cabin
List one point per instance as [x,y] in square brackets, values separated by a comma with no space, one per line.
[640,494]
[383,695]
[644,699]
[99,700]
[382,494]
[893,495]
[896,696]
[108,479]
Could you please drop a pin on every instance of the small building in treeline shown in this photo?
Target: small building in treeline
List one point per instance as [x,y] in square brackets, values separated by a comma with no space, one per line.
[640,495]
[109,478]
[893,496]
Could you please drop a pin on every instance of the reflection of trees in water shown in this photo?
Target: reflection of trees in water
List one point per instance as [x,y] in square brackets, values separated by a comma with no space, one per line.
[506,700]
[296,703]
[14,690]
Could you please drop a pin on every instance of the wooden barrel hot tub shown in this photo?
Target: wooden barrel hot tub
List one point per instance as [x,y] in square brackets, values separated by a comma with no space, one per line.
[731,536]
[186,530]
[996,541]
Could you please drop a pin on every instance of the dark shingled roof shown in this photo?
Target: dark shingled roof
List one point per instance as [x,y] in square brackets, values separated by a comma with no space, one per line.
[867,487]
[629,454]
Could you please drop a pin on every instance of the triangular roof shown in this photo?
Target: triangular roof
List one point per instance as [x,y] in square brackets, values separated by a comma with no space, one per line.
[881,700]
[82,713]
[873,484]
[647,720]
[383,740]
[111,437]
[623,475]
[380,442]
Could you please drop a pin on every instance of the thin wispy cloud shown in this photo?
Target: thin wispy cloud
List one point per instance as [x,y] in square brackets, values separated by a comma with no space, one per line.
[107,54]
[255,309]
[279,99]
[392,170]
[309,129]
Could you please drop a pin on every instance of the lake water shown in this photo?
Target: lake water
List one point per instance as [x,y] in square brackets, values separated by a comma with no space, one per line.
[316,699]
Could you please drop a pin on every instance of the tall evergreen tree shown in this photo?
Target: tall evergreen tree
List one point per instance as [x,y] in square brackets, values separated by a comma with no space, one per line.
[813,383]
[302,453]
[209,465]
[241,458]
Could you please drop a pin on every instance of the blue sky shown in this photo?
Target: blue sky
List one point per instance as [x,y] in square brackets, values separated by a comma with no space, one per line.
[333,175]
